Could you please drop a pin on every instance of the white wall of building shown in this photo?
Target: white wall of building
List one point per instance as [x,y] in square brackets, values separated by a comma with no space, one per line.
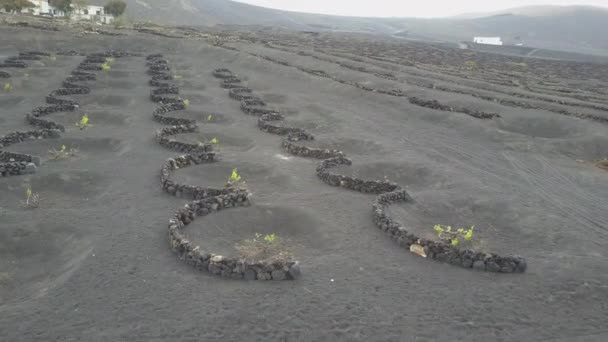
[95,13]
[488,40]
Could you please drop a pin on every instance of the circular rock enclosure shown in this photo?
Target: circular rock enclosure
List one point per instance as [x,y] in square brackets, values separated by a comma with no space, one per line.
[206,200]
[18,163]
[388,192]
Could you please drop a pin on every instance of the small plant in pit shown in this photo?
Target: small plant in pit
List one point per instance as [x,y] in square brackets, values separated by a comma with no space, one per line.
[453,237]
[186,102]
[210,118]
[8,86]
[84,122]
[62,153]
[470,65]
[106,67]
[32,199]
[269,247]
[236,181]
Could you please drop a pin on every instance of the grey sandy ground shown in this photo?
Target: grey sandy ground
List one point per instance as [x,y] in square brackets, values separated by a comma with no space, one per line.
[93,264]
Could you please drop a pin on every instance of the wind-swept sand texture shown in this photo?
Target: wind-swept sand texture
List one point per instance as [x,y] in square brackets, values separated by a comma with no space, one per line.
[93,262]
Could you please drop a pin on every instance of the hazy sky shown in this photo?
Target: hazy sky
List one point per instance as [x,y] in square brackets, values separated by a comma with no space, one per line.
[409,8]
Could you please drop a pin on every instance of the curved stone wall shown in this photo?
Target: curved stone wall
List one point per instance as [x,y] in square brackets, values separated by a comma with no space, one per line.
[206,200]
[16,163]
[388,192]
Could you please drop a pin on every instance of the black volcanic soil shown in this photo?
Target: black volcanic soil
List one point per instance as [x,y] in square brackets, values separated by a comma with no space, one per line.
[93,262]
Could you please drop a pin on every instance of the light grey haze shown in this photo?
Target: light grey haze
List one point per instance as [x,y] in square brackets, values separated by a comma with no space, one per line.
[409,8]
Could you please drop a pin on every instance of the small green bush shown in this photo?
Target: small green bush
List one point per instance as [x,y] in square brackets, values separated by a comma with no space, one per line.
[453,237]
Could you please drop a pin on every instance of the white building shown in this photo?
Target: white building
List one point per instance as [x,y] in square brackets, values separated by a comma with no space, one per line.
[42,7]
[488,40]
[93,13]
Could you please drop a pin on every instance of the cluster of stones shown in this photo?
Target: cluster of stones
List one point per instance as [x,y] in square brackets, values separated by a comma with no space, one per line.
[13,164]
[388,192]
[206,200]
[473,113]
[184,190]
[290,145]
[17,163]
[439,250]
[35,26]
[19,61]
[434,104]
[163,138]
[233,268]
[527,105]
[366,186]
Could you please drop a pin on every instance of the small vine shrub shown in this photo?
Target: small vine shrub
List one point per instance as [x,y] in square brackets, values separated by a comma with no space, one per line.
[264,248]
[454,236]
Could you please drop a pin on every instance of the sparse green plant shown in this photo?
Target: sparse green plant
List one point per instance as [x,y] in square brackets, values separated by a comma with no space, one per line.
[453,237]
[84,122]
[32,199]
[269,248]
[236,181]
[177,77]
[8,86]
[471,65]
[210,118]
[186,102]
[62,153]
[106,67]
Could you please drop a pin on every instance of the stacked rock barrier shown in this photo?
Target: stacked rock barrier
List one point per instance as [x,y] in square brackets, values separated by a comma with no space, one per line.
[18,163]
[270,121]
[433,104]
[20,61]
[206,200]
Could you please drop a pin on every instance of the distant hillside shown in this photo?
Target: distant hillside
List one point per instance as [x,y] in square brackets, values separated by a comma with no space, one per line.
[570,28]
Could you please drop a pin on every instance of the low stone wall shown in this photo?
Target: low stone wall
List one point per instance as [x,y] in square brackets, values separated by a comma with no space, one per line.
[439,250]
[17,137]
[13,164]
[4,74]
[233,268]
[162,137]
[366,186]
[434,104]
[389,192]
[159,116]
[290,146]
[223,73]
[264,124]
[207,200]
[16,168]
[16,163]
[43,123]
[183,190]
